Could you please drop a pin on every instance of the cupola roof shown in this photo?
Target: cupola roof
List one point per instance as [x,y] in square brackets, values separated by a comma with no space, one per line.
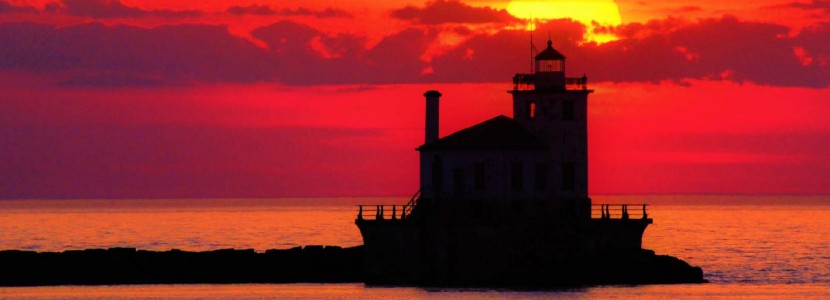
[549,53]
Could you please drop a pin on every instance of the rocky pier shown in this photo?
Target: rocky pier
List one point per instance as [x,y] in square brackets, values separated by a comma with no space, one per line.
[311,264]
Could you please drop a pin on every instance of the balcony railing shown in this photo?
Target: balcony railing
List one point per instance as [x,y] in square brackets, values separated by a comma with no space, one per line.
[388,212]
[383,212]
[527,82]
[619,211]
[403,212]
[576,83]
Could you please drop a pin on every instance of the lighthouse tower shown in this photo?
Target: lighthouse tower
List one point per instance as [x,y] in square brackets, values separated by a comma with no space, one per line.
[504,199]
[554,108]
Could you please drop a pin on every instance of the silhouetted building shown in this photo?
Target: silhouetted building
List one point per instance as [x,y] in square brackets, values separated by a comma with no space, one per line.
[501,198]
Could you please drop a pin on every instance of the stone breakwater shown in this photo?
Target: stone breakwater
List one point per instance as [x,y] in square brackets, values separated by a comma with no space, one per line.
[312,264]
[131,266]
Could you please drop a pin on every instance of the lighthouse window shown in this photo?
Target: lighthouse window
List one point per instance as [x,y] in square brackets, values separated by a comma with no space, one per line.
[478,176]
[568,110]
[541,176]
[531,110]
[549,66]
[516,176]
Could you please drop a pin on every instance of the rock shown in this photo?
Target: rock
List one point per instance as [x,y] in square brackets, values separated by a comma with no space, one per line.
[131,266]
[317,264]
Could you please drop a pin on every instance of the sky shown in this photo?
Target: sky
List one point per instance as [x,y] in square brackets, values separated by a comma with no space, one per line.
[254,98]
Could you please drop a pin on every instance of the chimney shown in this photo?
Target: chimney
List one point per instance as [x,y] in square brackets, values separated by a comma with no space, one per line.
[431,131]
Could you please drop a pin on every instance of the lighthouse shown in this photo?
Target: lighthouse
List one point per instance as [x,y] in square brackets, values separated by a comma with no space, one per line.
[505,199]
[555,109]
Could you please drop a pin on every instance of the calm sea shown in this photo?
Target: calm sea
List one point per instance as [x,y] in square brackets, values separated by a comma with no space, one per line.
[749,247]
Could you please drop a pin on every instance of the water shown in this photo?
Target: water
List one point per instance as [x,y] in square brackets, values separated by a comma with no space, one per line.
[358,291]
[751,247]
[187,224]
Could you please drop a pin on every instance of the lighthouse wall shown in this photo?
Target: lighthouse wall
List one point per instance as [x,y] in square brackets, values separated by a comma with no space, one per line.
[560,119]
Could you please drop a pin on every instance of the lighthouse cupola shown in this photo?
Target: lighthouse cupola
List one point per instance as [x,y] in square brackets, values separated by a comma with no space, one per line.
[550,69]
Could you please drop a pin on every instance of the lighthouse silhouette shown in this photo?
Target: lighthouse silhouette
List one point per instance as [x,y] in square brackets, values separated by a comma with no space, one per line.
[504,200]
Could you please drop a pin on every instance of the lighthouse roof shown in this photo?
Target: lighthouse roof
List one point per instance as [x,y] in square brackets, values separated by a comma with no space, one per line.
[499,133]
[549,53]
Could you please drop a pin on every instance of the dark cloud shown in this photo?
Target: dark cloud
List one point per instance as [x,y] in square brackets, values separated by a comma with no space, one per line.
[489,58]
[114,9]
[6,7]
[265,10]
[822,6]
[723,48]
[285,36]
[666,50]
[643,30]
[291,44]
[111,81]
[453,11]
[310,57]
[181,53]
[719,49]
[688,9]
[813,41]
[255,9]
[326,13]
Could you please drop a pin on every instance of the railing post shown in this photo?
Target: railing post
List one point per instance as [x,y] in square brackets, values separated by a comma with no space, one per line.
[645,215]
[584,82]
[625,212]
[608,211]
[602,211]
[403,212]
[394,212]
[360,213]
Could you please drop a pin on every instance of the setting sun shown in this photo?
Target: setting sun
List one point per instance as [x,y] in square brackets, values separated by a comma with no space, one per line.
[603,12]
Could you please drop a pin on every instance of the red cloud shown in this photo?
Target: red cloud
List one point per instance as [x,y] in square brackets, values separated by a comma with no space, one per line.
[754,52]
[174,54]
[265,10]
[298,54]
[822,6]
[6,7]
[813,41]
[453,11]
[112,9]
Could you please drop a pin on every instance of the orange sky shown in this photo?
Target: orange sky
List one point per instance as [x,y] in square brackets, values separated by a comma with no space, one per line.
[109,99]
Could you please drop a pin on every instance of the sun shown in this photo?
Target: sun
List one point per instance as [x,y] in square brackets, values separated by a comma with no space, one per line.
[603,12]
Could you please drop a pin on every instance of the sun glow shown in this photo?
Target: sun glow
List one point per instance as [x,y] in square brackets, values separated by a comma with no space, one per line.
[588,12]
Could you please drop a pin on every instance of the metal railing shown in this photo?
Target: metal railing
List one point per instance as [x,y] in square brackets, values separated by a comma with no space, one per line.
[580,83]
[524,82]
[381,212]
[527,82]
[407,209]
[388,212]
[619,211]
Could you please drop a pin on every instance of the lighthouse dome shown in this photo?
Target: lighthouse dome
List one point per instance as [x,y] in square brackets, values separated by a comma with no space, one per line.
[549,53]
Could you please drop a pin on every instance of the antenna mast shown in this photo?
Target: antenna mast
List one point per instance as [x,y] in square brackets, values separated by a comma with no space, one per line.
[532,29]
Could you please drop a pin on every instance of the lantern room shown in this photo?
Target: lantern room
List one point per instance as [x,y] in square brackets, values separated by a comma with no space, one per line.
[550,69]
